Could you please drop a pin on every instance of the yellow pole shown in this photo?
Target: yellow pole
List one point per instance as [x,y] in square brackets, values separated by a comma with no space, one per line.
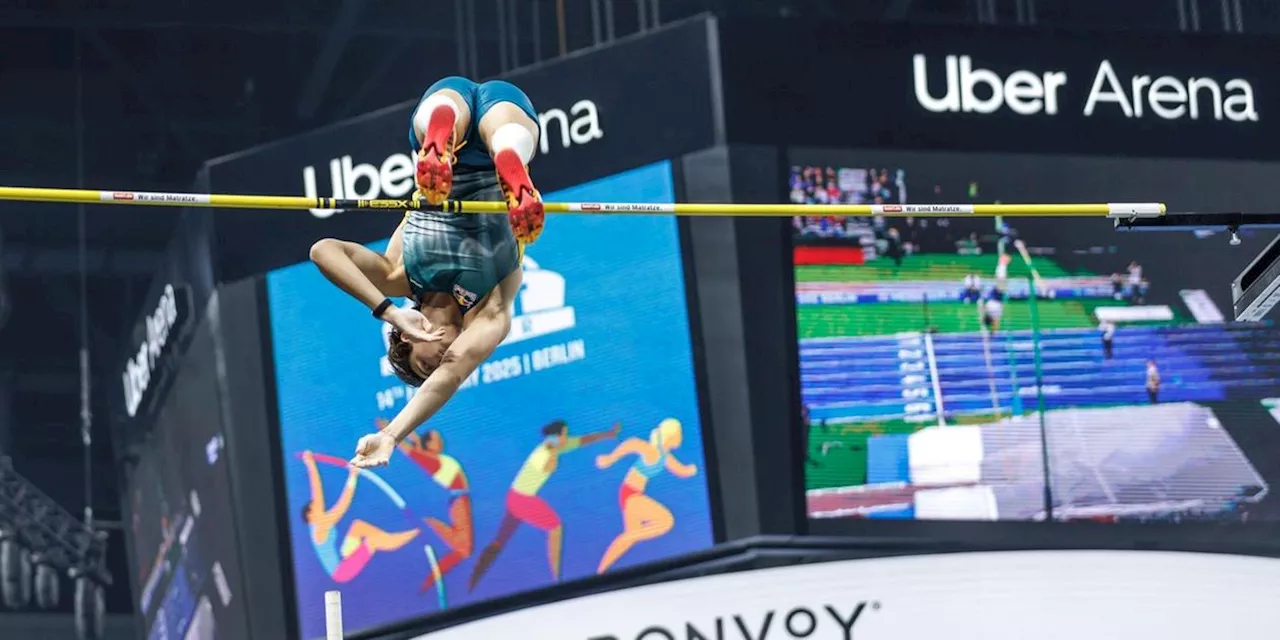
[143,198]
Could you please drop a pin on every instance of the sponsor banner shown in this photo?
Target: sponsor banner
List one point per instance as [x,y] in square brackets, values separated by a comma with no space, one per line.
[922,208]
[171,312]
[644,112]
[620,207]
[917,86]
[1049,595]
[143,197]
[179,293]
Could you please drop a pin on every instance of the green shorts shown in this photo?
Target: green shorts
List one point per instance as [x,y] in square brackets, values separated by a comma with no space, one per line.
[463,254]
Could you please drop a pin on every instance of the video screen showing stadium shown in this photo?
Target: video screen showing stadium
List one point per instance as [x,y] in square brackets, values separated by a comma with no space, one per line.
[986,368]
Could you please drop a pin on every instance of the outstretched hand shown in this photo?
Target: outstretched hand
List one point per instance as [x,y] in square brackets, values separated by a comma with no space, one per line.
[413,325]
[374,450]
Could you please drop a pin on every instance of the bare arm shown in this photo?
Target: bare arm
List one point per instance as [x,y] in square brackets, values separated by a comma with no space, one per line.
[407,445]
[482,334]
[592,438]
[552,460]
[468,351]
[410,444]
[680,469]
[348,494]
[361,272]
[317,487]
[627,447]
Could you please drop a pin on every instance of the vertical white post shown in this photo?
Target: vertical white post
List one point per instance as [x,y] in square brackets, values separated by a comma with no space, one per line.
[933,373]
[333,615]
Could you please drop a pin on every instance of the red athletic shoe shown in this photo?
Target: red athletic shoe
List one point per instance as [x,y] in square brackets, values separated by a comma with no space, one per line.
[524,203]
[435,160]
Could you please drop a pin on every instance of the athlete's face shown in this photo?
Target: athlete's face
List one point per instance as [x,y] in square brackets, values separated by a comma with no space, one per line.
[673,440]
[434,442]
[424,357]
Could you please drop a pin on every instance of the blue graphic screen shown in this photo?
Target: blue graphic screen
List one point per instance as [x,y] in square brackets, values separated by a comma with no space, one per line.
[600,338]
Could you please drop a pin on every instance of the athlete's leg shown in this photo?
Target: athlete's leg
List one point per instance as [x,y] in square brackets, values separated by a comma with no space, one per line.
[643,518]
[555,550]
[378,540]
[447,533]
[491,551]
[460,537]
[535,512]
[395,253]
[352,564]
[439,124]
[464,534]
[508,125]
[395,247]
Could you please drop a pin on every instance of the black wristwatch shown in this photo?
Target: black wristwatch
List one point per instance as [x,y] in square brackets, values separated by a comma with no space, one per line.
[382,308]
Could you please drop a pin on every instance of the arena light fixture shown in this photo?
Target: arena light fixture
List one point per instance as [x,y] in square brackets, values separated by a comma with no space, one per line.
[38,533]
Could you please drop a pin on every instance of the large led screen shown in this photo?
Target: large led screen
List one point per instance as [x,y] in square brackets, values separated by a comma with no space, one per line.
[980,368]
[600,343]
[186,573]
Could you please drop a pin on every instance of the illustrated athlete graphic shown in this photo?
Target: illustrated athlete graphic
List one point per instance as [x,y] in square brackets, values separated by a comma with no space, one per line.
[344,562]
[523,503]
[474,142]
[644,518]
[458,534]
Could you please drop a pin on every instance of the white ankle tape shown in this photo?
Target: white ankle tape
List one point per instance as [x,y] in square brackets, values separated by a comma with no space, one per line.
[422,117]
[516,137]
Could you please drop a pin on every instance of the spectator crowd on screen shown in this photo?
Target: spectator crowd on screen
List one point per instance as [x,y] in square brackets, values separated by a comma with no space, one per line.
[844,185]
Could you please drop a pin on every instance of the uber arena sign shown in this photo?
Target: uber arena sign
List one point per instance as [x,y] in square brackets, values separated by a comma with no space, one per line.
[970,89]
[160,326]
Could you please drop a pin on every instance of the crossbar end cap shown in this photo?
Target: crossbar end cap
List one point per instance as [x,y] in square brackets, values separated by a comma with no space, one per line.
[1132,210]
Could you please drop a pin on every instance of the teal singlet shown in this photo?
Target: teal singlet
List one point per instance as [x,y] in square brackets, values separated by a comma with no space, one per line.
[649,471]
[462,254]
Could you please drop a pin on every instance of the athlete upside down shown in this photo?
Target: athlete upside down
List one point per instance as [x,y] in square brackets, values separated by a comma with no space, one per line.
[462,271]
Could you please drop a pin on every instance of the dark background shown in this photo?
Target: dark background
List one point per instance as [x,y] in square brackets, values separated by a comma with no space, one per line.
[140,95]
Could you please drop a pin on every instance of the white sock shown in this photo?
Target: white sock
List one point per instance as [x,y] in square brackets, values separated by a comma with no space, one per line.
[422,117]
[516,137]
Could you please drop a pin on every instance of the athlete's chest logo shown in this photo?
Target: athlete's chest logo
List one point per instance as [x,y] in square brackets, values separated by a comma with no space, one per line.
[464,298]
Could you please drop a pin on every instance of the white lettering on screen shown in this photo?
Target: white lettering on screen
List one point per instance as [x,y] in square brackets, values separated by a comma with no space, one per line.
[139,368]
[972,89]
